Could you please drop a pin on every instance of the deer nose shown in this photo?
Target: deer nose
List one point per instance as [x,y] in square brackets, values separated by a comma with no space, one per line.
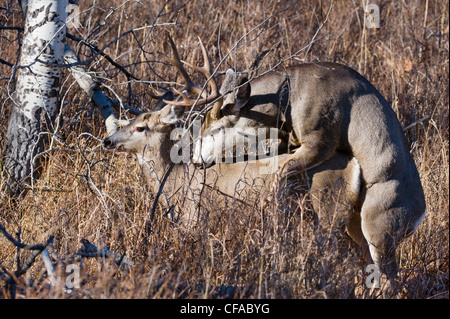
[107,142]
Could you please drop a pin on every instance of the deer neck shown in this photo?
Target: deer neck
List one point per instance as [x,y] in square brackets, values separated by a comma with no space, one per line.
[155,159]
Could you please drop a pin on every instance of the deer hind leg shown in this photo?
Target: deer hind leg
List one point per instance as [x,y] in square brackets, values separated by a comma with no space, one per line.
[389,215]
[384,258]
[353,229]
[381,239]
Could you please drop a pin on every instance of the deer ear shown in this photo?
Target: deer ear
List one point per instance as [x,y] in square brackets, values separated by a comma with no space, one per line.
[146,116]
[242,95]
[229,83]
[170,114]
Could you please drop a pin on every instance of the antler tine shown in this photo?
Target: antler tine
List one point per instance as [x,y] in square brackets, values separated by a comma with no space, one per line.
[188,101]
[176,61]
[205,69]
[190,86]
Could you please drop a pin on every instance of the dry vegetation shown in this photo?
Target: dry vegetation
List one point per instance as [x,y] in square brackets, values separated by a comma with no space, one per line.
[85,192]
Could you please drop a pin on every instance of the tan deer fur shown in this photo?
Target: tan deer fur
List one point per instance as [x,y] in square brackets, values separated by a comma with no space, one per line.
[149,137]
[327,108]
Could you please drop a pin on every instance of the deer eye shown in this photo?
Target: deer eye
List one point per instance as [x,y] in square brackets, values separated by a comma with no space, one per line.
[140,129]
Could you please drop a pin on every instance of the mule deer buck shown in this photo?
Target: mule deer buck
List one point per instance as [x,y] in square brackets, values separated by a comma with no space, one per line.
[149,137]
[326,108]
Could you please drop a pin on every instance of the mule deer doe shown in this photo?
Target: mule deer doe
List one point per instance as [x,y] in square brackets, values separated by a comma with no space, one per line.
[326,108]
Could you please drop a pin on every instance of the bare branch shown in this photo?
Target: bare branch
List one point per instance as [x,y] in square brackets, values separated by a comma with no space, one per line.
[93,89]
[22,269]
[88,250]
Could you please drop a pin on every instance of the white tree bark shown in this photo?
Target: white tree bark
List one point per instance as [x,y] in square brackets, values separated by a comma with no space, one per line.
[42,57]
[93,89]
[37,95]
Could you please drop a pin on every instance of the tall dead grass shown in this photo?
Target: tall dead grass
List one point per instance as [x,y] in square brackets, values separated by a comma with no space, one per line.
[85,192]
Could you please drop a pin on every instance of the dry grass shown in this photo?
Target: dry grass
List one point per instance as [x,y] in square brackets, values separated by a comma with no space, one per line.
[85,192]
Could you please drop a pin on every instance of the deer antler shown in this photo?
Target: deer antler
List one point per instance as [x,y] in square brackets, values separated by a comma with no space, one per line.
[190,87]
[205,69]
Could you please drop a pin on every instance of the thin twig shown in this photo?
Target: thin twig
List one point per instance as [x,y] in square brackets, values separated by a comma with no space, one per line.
[423,119]
[317,31]
[161,186]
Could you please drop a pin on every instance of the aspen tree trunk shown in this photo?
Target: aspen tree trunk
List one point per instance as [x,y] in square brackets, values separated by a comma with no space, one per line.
[36,102]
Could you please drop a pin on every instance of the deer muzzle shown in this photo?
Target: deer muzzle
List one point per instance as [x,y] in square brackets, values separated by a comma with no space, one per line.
[109,143]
